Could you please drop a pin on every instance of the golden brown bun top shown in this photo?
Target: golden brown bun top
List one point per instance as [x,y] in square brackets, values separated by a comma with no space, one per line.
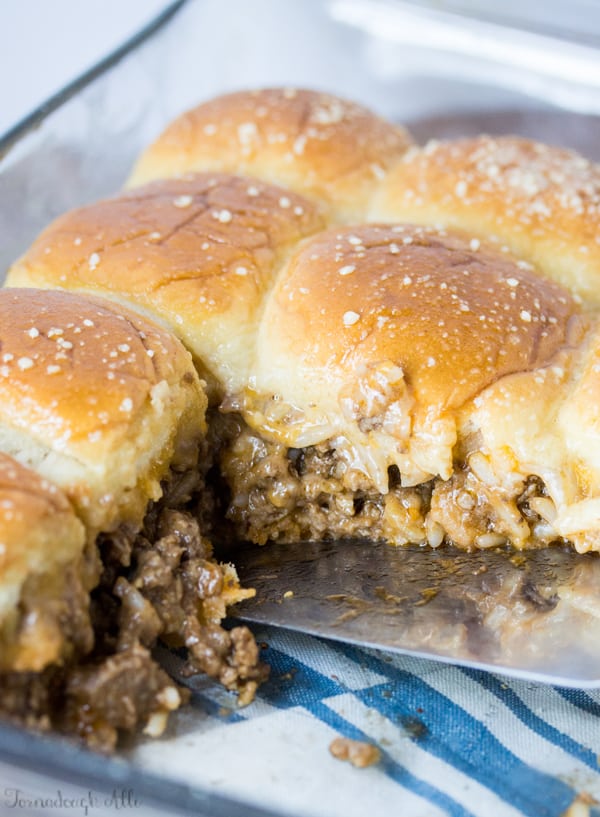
[380,338]
[319,145]
[198,252]
[94,397]
[542,202]
[390,328]
[71,365]
[454,315]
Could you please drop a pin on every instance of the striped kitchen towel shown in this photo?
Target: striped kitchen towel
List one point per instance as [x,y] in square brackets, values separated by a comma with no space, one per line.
[451,741]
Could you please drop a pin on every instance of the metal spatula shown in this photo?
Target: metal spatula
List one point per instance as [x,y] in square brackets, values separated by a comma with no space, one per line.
[534,615]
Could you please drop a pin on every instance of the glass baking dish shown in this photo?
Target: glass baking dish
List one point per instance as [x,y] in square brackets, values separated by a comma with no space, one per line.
[438,68]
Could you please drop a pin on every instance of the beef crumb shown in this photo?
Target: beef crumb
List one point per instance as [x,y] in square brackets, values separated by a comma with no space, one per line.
[357,752]
[117,695]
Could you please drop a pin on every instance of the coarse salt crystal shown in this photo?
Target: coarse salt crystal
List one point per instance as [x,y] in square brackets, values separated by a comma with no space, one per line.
[93,260]
[224,216]
[284,202]
[33,332]
[247,132]
[525,316]
[350,318]
[347,270]
[182,201]
[24,363]
[299,144]
[126,405]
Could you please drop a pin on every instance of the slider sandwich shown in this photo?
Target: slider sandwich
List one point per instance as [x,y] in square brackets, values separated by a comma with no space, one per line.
[101,423]
[398,343]
[405,376]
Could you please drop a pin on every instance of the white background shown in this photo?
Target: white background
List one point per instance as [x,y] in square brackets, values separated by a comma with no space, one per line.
[45,44]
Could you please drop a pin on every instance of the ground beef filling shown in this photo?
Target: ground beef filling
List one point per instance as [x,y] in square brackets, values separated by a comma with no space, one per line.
[277,493]
[163,582]
[159,583]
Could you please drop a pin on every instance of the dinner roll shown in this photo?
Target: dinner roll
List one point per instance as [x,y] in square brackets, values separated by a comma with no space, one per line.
[319,145]
[377,335]
[545,422]
[426,374]
[41,546]
[197,252]
[542,202]
[96,399]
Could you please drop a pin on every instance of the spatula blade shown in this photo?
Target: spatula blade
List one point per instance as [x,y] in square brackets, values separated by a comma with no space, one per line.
[534,615]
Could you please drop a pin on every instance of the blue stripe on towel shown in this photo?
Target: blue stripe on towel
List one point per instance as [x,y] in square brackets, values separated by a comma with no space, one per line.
[581,699]
[292,684]
[447,731]
[388,765]
[533,721]
[462,741]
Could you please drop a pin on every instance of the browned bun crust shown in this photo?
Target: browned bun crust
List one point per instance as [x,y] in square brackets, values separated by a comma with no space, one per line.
[197,252]
[40,540]
[96,398]
[319,145]
[542,202]
[454,318]
[455,358]
[395,328]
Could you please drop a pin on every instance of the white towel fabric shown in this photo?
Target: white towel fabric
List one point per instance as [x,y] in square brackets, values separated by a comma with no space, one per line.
[453,741]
